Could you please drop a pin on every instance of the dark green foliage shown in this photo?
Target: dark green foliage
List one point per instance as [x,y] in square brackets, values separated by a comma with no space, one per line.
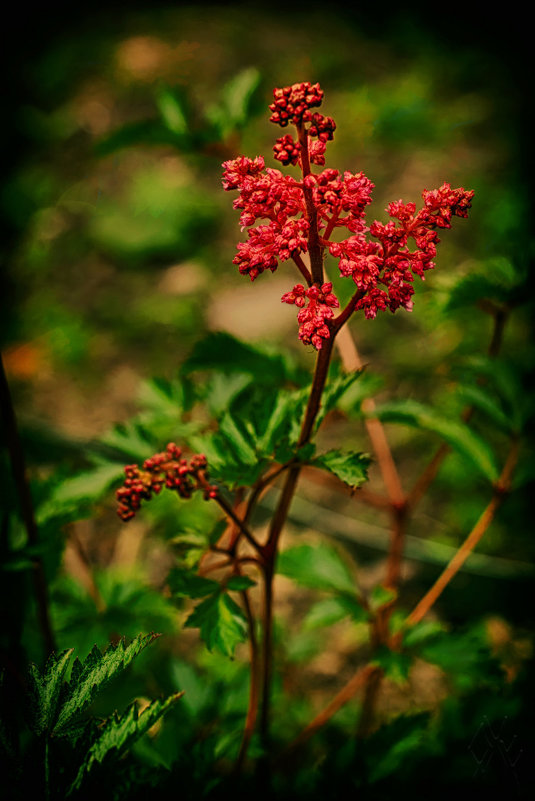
[117,734]
[221,622]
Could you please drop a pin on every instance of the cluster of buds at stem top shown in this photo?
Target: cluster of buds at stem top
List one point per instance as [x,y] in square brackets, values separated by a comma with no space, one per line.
[167,469]
[297,216]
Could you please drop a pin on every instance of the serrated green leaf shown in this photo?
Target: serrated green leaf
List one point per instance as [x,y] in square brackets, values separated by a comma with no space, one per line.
[89,485]
[335,389]
[332,610]
[120,732]
[238,440]
[223,352]
[351,468]
[318,567]
[238,583]
[186,584]
[456,433]
[221,622]
[131,440]
[95,672]
[44,689]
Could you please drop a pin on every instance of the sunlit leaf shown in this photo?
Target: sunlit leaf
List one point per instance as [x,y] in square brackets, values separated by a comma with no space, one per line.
[351,468]
[317,566]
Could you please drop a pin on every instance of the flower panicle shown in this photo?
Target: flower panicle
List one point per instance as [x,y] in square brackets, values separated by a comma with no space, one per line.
[382,259]
[168,469]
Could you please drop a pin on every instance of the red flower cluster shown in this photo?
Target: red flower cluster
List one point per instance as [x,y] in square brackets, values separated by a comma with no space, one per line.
[293,103]
[382,267]
[167,469]
[321,302]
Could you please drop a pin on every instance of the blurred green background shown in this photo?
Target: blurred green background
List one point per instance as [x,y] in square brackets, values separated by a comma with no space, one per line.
[119,241]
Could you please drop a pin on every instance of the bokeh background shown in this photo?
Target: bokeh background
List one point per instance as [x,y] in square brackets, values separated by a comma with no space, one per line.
[119,241]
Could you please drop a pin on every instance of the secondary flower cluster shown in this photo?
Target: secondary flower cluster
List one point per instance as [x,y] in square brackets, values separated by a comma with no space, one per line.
[167,469]
[321,301]
[285,218]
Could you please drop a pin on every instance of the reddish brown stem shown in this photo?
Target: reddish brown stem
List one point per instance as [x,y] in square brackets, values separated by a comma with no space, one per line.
[460,557]
[252,710]
[314,247]
[303,269]
[361,677]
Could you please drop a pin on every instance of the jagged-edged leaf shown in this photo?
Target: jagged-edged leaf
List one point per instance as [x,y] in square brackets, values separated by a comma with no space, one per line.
[120,732]
[131,440]
[44,690]
[221,622]
[332,610]
[186,584]
[238,583]
[335,389]
[87,486]
[456,433]
[223,352]
[351,468]
[95,672]
[317,566]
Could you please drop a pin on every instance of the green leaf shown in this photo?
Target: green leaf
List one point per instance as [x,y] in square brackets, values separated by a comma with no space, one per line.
[456,433]
[238,583]
[480,398]
[173,110]
[318,567]
[223,352]
[95,672]
[237,101]
[120,732]
[422,633]
[335,390]
[88,486]
[221,622]
[44,691]
[332,610]
[351,468]
[497,280]
[380,596]
[395,664]
[186,584]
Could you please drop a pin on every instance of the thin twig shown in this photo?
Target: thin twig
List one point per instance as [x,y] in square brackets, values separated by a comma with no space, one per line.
[460,557]
[347,692]
[252,710]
